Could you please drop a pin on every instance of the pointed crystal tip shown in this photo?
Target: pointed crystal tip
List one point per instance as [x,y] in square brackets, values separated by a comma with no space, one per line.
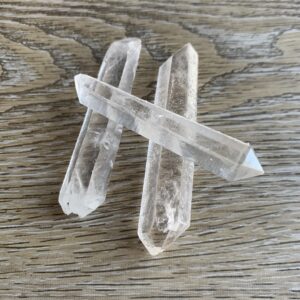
[149,244]
[80,204]
[250,167]
[187,49]
[252,162]
[132,40]
[157,241]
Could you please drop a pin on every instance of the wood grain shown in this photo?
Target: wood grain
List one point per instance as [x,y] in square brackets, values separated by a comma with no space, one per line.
[244,239]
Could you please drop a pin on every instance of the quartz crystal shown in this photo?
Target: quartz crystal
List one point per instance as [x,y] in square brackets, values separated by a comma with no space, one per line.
[212,150]
[167,192]
[85,184]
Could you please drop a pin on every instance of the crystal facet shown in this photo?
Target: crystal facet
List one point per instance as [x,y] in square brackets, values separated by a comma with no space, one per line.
[167,192]
[85,184]
[212,150]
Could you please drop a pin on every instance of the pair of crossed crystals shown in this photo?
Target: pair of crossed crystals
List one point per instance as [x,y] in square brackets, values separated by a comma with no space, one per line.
[176,142]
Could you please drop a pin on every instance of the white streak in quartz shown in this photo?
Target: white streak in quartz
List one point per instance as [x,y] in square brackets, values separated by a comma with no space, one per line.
[85,184]
[212,150]
[167,192]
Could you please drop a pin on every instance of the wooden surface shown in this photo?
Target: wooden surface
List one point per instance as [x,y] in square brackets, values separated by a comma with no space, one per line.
[244,239]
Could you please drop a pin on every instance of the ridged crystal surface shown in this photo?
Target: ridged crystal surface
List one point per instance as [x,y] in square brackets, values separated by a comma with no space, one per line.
[85,184]
[212,150]
[168,184]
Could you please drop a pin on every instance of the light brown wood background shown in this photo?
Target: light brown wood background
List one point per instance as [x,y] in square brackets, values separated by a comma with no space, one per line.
[244,239]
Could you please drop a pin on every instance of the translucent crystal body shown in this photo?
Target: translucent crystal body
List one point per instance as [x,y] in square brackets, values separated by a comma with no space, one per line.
[167,192]
[212,150]
[85,184]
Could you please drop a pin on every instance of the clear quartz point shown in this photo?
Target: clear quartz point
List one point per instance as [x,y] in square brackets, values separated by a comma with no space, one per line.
[85,185]
[167,192]
[211,150]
